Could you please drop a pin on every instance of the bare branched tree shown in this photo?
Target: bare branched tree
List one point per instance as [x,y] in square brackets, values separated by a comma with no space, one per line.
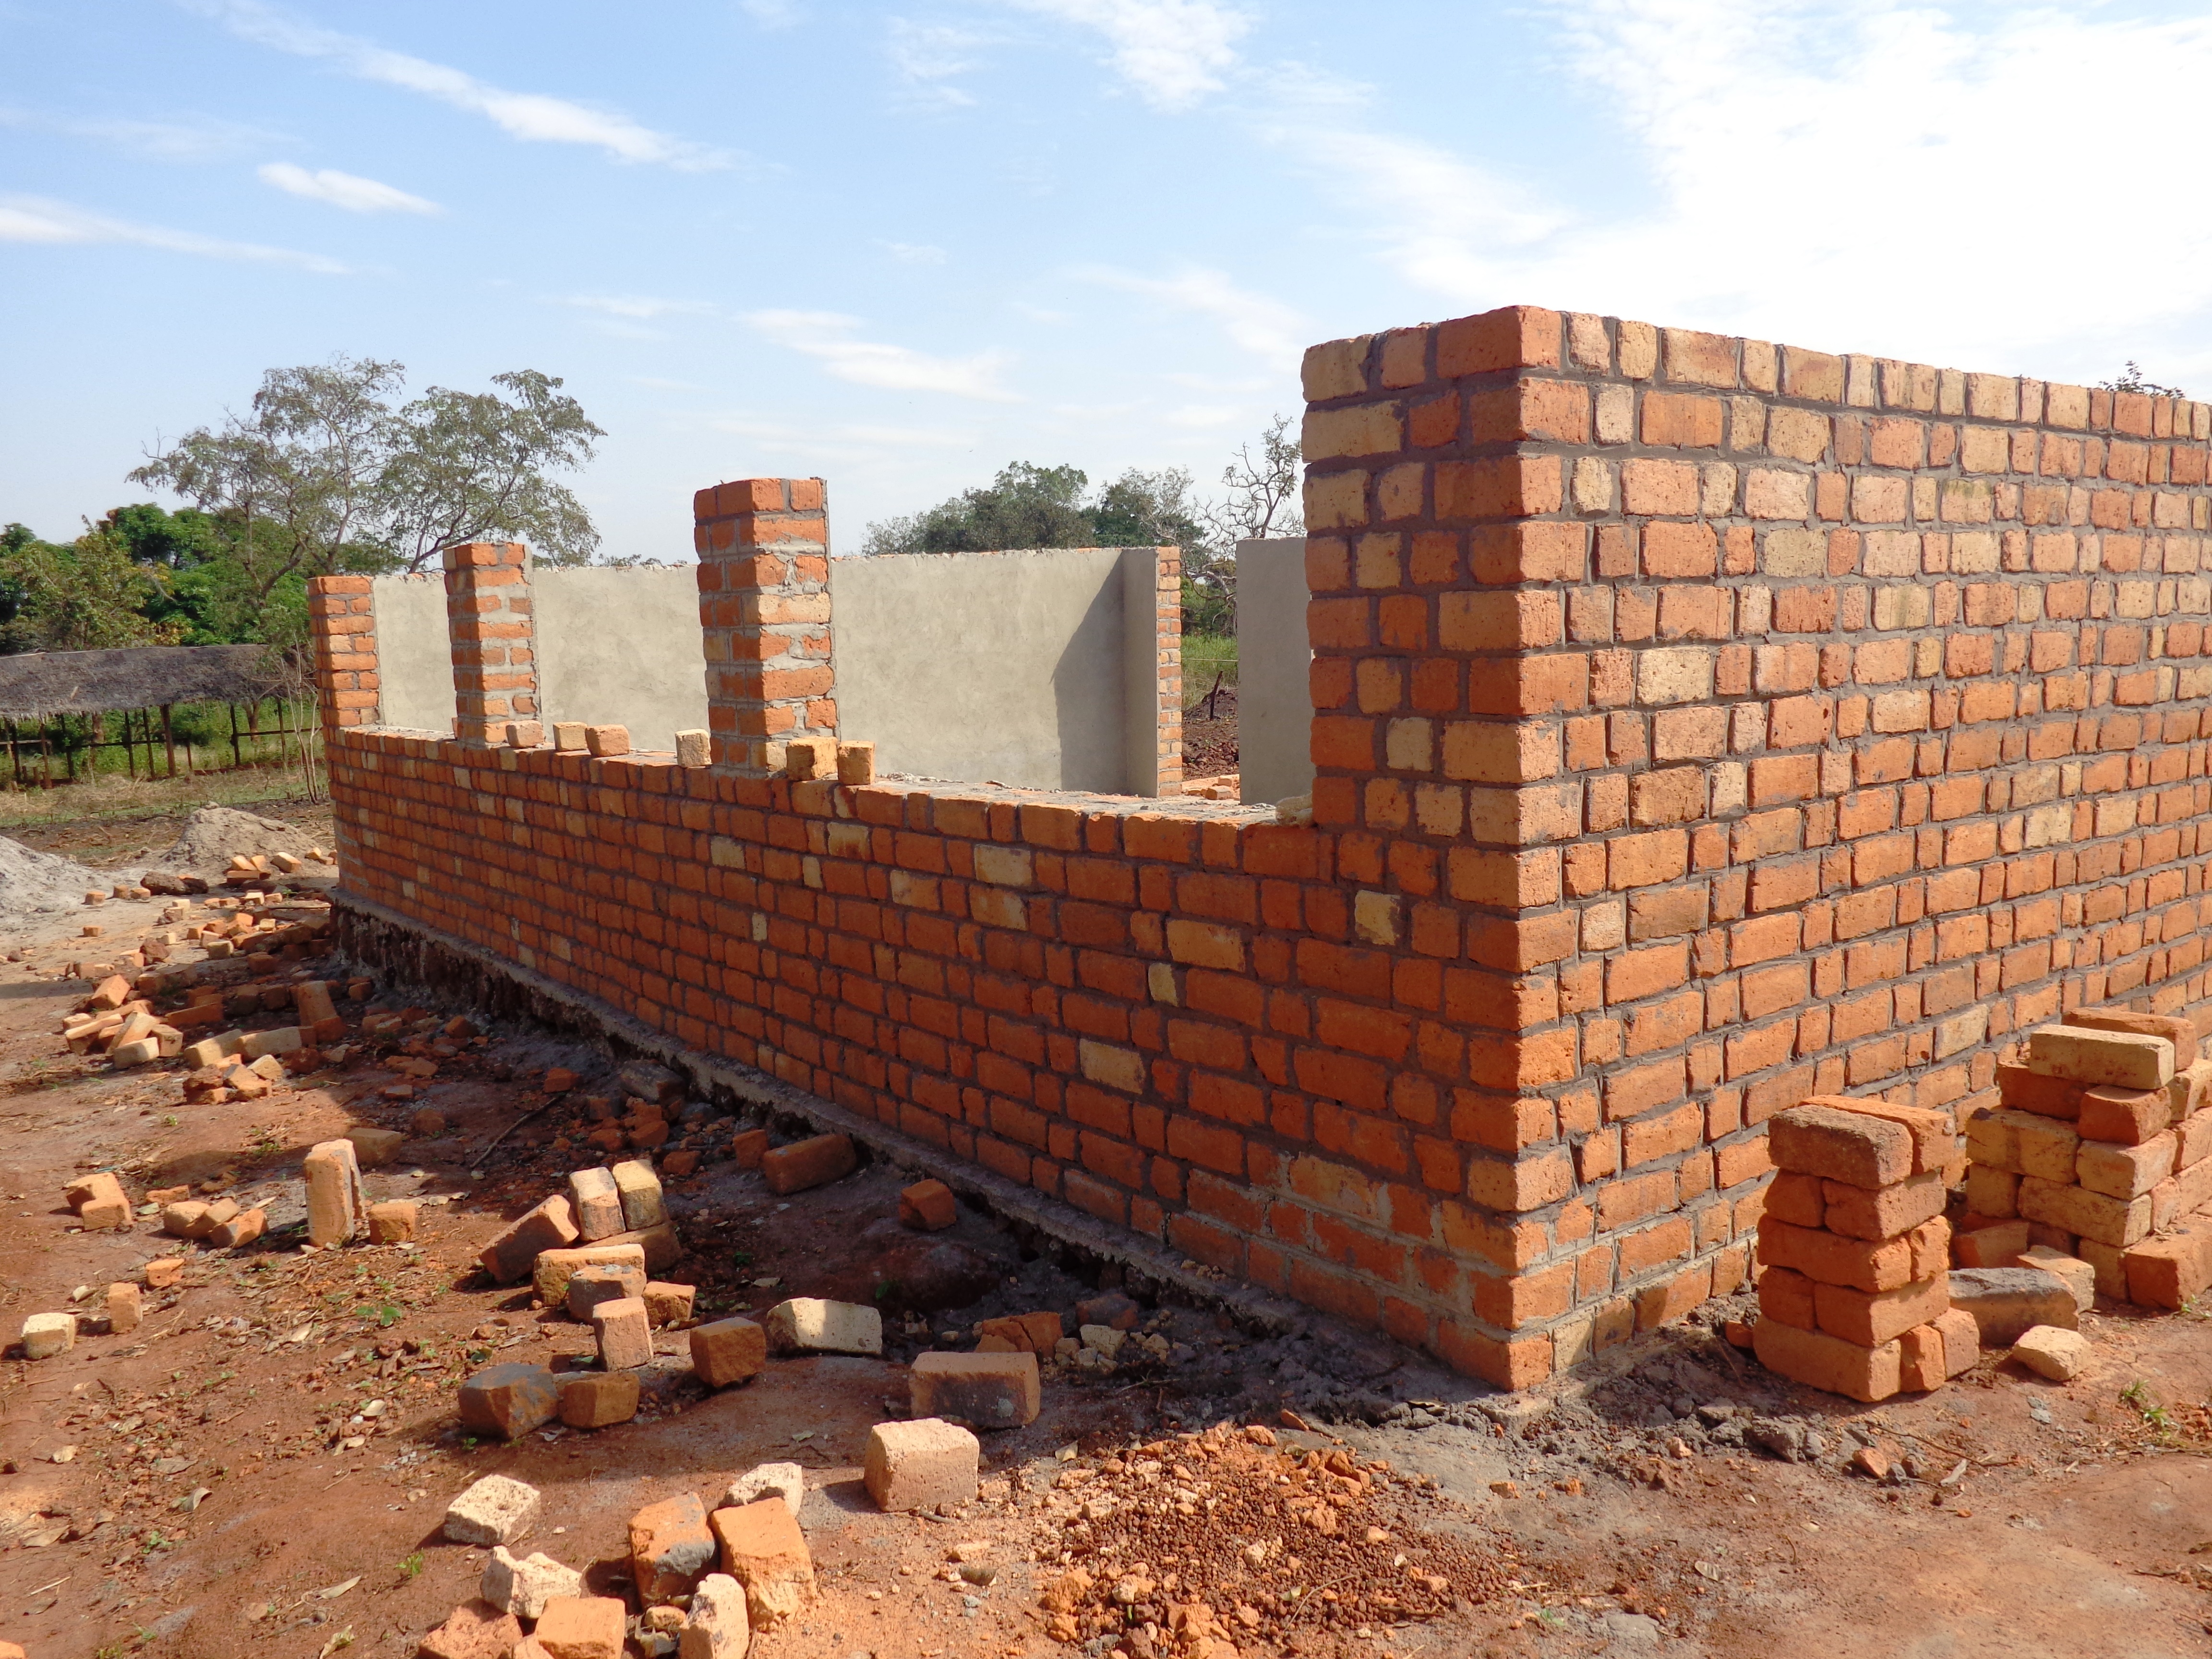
[325,473]
[1263,501]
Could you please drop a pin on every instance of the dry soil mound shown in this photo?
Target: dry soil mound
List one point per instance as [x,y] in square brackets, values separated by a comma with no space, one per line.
[32,882]
[216,835]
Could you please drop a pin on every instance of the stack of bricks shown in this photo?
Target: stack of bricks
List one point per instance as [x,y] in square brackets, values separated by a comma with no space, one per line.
[1855,1294]
[2102,1149]
[763,547]
[494,643]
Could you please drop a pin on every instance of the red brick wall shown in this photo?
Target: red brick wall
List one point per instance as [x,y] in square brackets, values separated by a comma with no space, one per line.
[1749,723]
[1701,724]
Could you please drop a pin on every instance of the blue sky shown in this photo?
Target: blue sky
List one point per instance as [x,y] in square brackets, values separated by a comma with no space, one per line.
[902,245]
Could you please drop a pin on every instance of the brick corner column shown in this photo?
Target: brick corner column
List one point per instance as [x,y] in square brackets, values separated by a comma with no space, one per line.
[342,617]
[763,547]
[1169,632]
[494,639]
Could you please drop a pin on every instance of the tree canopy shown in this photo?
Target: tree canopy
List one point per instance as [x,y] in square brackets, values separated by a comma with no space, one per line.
[1029,505]
[328,472]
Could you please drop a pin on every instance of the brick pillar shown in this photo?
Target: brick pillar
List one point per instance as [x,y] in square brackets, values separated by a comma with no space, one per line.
[495,641]
[342,614]
[1169,634]
[763,549]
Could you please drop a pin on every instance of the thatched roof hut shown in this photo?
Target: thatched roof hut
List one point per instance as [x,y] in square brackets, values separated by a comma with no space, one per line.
[39,684]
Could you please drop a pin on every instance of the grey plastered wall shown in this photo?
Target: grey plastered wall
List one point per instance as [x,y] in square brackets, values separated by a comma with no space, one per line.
[1275,687]
[1036,669]
[621,646]
[414,653]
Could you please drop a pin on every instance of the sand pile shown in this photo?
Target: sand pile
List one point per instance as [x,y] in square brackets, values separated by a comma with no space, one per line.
[216,835]
[32,883]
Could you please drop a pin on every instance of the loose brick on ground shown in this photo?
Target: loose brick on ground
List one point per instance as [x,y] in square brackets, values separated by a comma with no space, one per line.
[670,1546]
[624,1333]
[979,1390]
[554,1268]
[2053,1351]
[475,1630]
[582,1628]
[593,1399]
[495,1510]
[602,1281]
[925,1464]
[548,1225]
[927,1207]
[597,1203]
[809,1324]
[46,1334]
[508,1400]
[762,1548]
[728,1351]
[2005,1301]
[716,1626]
[811,1162]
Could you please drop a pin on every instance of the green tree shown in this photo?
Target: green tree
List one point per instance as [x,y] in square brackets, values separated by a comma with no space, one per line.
[1029,505]
[89,596]
[325,474]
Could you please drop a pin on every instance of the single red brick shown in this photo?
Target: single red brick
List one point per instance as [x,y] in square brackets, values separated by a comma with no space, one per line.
[814,1162]
[2126,1116]
[927,1207]
[1836,1146]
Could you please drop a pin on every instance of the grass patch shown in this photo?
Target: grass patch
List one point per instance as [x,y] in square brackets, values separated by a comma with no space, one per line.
[1205,656]
[109,797]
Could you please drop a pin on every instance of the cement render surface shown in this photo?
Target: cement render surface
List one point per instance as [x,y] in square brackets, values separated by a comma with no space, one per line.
[414,660]
[1275,687]
[623,648]
[991,667]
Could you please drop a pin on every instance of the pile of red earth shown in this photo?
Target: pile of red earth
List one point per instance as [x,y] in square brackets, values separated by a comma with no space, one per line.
[1196,1545]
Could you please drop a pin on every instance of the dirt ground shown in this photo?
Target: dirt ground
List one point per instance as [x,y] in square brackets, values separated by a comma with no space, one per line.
[133,837]
[1209,735]
[223,1479]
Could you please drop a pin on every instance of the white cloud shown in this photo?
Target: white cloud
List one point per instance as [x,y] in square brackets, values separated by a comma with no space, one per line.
[828,335]
[770,13]
[915,253]
[1443,220]
[193,138]
[38,219]
[531,117]
[1852,175]
[343,190]
[1265,327]
[927,56]
[641,307]
[1172,51]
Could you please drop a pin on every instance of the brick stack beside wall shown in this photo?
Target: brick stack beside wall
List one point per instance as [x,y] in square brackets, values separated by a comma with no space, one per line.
[2100,1142]
[1762,723]
[1856,1296]
[763,546]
